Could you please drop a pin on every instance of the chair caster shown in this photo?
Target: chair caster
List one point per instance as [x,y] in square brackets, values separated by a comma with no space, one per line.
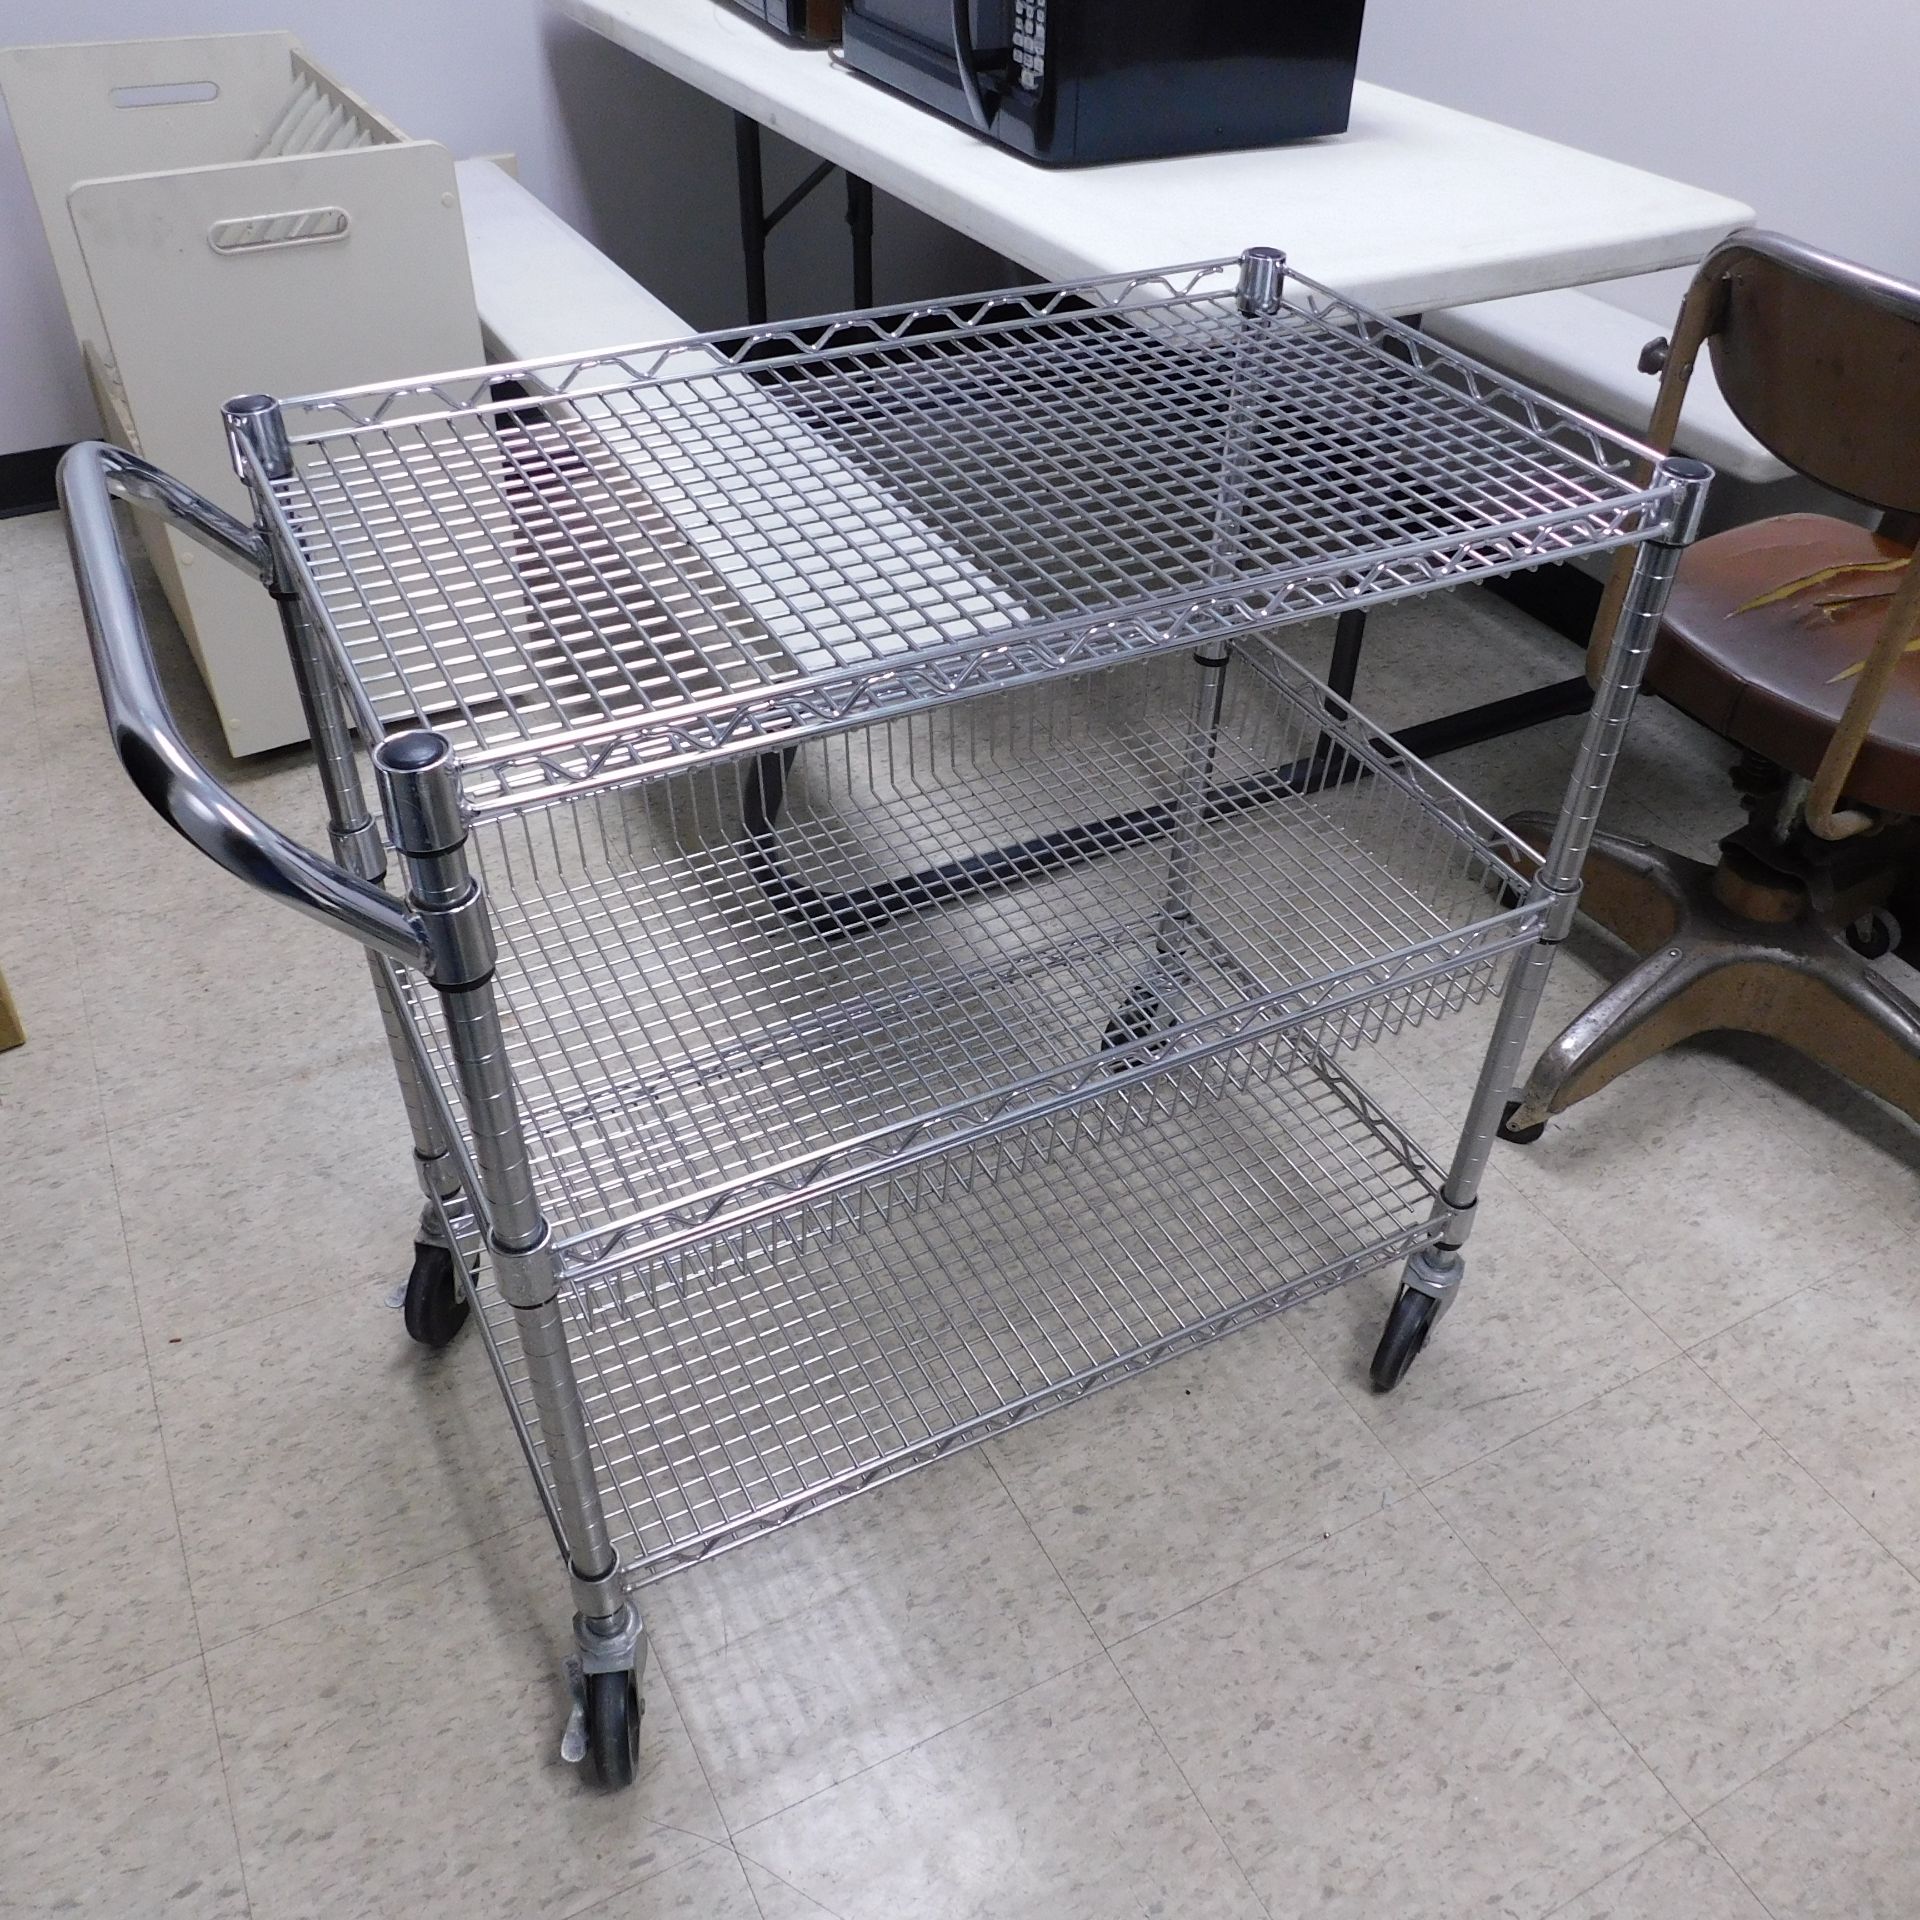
[1875,935]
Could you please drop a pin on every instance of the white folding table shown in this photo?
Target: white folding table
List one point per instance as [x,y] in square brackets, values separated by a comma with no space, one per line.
[1415,207]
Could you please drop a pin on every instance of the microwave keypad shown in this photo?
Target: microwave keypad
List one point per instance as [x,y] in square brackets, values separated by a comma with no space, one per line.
[1029,41]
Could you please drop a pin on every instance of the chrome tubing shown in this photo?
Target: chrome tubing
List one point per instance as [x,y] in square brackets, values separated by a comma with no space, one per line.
[1558,885]
[157,758]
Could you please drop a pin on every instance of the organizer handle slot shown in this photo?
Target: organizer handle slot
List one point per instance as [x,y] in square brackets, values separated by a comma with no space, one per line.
[166,93]
[256,233]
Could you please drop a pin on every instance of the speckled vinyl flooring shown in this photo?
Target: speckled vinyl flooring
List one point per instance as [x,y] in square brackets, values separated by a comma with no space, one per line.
[1610,1614]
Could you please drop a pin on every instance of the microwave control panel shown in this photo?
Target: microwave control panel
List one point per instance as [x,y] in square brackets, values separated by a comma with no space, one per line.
[1029,42]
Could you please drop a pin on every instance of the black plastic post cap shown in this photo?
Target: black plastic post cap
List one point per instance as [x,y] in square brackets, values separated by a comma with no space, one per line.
[412,752]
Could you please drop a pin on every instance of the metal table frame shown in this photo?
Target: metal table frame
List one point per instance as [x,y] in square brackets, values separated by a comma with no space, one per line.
[757,223]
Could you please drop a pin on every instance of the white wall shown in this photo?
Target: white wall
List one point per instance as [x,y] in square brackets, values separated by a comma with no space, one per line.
[1802,108]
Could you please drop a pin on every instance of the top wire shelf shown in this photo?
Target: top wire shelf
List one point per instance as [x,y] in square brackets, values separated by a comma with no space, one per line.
[588,571]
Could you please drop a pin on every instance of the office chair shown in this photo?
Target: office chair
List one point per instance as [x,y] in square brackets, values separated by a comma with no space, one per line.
[1795,640]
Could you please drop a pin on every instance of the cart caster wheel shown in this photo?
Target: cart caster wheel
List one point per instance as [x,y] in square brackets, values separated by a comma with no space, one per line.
[1406,1333]
[613,1727]
[1518,1136]
[436,1305]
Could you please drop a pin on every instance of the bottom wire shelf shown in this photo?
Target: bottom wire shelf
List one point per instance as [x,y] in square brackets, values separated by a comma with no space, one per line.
[782,1372]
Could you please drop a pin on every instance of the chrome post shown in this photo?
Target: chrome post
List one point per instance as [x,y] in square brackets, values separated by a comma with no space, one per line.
[1262,285]
[262,454]
[1260,293]
[1203,745]
[421,793]
[1558,884]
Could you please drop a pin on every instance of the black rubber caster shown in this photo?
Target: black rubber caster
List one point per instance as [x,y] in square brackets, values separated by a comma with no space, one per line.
[1874,935]
[437,1305]
[1518,1136]
[613,1727]
[1406,1333]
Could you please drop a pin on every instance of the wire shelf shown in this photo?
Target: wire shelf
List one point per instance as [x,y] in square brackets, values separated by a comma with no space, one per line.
[679,552]
[713,1017]
[774,1375]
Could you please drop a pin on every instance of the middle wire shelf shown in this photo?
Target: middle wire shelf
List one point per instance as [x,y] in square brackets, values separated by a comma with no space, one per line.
[804,997]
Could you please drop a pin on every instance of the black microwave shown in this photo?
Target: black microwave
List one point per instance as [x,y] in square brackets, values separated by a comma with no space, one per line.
[1077,82]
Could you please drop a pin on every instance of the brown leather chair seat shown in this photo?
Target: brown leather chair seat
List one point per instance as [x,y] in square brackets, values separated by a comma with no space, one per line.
[1767,678]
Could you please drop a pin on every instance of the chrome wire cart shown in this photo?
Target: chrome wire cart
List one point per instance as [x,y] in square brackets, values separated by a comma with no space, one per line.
[846,815]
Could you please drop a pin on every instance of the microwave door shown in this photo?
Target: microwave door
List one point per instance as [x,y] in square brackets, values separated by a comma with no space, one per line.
[972,38]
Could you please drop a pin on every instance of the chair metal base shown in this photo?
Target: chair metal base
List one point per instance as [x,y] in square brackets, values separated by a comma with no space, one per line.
[1708,968]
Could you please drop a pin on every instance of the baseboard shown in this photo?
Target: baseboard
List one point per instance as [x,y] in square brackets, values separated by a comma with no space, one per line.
[26,480]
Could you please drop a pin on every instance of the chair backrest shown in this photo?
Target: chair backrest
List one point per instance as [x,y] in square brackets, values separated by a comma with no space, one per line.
[1820,359]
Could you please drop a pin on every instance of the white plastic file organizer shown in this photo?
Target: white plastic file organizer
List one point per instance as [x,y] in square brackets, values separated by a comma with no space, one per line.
[224,216]
[879,916]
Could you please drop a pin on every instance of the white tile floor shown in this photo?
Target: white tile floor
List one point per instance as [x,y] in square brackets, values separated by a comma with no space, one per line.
[1610,1614]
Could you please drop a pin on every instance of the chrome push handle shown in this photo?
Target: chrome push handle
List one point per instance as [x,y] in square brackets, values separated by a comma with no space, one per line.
[158,760]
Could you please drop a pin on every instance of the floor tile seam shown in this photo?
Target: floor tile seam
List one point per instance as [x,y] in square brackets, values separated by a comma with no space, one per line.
[1900,1559]
[188,1364]
[1411,1491]
[1692,1347]
[747,1859]
[1696,1814]
[1625,1866]
[1040,1546]
[1360,1420]
[1812,1479]
[1753,1892]
[1540,1426]
[246,1072]
[693,1745]
[166,1670]
[1206,1812]
[1440,1480]
[95,1100]
[1675,1349]
[225,1644]
[595,1901]
[180,1539]
[1693,1826]
[900,1753]
[1800,1746]
[1513,1193]
[226,1789]
[1883,1245]
[1113,1667]
[1792,1109]
[1677,1805]
[160,1429]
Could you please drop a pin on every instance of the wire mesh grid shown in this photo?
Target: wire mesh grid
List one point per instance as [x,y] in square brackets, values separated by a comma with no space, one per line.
[713,1013]
[678,552]
[774,1374]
